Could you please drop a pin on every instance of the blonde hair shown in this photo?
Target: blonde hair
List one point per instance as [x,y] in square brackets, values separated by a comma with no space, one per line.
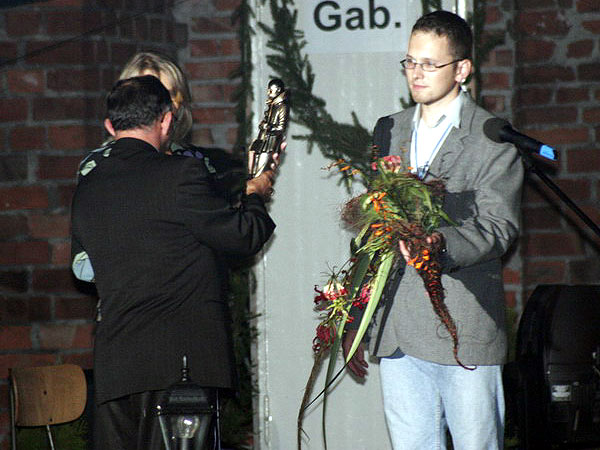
[164,66]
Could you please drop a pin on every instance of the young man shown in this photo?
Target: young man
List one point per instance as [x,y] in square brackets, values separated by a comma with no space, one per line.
[155,233]
[424,389]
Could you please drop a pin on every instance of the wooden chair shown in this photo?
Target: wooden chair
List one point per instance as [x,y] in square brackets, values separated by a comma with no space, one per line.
[44,396]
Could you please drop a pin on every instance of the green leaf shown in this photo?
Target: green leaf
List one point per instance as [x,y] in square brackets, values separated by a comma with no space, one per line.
[387,261]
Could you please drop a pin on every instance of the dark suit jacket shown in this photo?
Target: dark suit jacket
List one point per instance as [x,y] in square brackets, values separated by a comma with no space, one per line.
[155,231]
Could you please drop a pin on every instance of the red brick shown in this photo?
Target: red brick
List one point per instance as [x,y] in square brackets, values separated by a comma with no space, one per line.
[572,95]
[12,227]
[511,276]
[211,70]
[530,50]
[547,115]
[22,23]
[67,52]
[57,167]
[8,50]
[212,25]
[546,74]
[230,47]
[25,80]
[60,108]
[58,3]
[75,137]
[494,103]
[213,115]
[53,280]
[27,138]
[157,30]
[580,49]
[232,136]
[204,48]
[28,252]
[226,5]
[588,72]
[13,110]
[24,310]
[202,137]
[122,52]
[542,23]
[74,80]
[14,281]
[8,361]
[560,136]
[584,272]
[49,226]
[14,338]
[583,160]
[492,15]
[13,167]
[65,336]
[592,25]
[591,115]
[70,21]
[510,299]
[60,253]
[76,308]
[552,244]
[82,358]
[26,197]
[208,93]
[541,218]
[587,6]
[533,96]
[499,58]
[544,272]
[65,193]
[578,189]
[496,80]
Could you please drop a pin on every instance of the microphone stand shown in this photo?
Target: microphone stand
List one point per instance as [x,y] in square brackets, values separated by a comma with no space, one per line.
[531,166]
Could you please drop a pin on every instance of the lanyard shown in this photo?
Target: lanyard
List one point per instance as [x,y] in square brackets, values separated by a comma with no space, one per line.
[422,171]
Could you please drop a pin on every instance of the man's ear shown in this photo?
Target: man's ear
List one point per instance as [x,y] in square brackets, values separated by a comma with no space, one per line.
[109,127]
[166,123]
[463,70]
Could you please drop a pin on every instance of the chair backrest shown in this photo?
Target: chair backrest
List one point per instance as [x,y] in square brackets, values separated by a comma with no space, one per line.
[48,395]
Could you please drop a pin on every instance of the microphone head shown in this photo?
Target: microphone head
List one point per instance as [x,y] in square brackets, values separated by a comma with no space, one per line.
[492,129]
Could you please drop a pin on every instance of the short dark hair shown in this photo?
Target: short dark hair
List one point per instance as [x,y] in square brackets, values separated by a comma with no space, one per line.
[277,82]
[137,102]
[454,27]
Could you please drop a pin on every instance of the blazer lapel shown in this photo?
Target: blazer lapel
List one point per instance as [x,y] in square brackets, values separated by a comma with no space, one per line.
[453,145]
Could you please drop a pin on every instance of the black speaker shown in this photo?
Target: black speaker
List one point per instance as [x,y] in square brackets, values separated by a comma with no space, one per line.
[558,361]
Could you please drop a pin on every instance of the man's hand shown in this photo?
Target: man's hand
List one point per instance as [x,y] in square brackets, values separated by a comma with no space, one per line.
[263,184]
[435,239]
[357,364]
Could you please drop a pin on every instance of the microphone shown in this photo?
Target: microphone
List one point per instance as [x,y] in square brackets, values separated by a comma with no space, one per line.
[499,130]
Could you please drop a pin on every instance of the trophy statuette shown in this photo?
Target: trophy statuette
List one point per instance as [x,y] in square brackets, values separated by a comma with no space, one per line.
[272,129]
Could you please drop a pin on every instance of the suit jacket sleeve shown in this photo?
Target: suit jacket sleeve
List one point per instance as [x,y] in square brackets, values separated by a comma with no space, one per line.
[213,222]
[492,224]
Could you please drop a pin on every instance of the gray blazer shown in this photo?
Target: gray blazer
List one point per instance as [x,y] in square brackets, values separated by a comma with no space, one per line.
[484,181]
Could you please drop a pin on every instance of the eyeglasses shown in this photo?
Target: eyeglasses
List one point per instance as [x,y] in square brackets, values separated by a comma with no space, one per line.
[409,64]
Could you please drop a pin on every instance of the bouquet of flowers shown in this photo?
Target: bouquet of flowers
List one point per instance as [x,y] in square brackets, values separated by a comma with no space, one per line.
[397,206]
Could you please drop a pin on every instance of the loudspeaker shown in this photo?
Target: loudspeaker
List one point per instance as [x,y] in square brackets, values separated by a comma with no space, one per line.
[558,361]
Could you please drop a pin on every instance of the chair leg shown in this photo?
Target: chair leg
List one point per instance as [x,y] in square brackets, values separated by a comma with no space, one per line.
[13,430]
[50,437]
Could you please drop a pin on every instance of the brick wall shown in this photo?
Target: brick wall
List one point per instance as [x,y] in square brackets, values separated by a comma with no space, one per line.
[557,88]
[56,64]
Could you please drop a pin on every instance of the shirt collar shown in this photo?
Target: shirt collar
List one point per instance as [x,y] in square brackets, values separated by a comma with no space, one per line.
[452,112]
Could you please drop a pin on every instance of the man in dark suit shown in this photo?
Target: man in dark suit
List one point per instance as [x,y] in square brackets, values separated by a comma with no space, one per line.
[155,232]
